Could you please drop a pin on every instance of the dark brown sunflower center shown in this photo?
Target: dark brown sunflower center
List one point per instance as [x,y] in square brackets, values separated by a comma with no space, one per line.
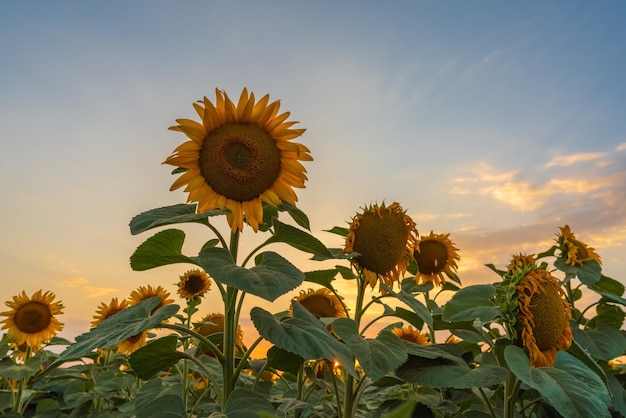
[32,317]
[320,306]
[194,284]
[550,317]
[381,240]
[135,338]
[581,251]
[432,257]
[240,161]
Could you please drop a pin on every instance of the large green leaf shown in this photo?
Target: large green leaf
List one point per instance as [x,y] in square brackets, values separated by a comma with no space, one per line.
[470,303]
[303,334]
[298,239]
[589,273]
[244,403]
[377,356]
[155,356]
[605,342]
[618,395]
[608,285]
[569,386]
[296,214]
[11,370]
[321,277]
[418,307]
[169,215]
[272,277]
[438,367]
[157,400]
[161,249]
[115,329]
[284,360]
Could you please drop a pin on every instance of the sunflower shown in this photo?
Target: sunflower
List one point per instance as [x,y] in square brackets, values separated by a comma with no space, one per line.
[435,255]
[194,284]
[20,351]
[385,237]
[239,157]
[214,323]
[32,321]
[520,261]
[409,333]
[545,316]
[105,311]
[321,302]
[576,252]
[133,343]
[146,292]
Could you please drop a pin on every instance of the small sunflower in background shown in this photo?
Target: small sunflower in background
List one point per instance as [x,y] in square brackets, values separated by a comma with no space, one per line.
[194,284]
[213,324]
[321,302]
[20,351]
[408,333]
[146,292]
[131,344]
[385,237]
[32,320]
[105,311]
[575,252]
[544,316]
[435,256]
[239,156]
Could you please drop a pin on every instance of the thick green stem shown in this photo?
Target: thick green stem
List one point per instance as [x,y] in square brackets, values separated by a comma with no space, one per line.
[230,328]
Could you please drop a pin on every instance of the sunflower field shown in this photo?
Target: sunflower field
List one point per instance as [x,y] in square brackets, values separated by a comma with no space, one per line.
[544,339]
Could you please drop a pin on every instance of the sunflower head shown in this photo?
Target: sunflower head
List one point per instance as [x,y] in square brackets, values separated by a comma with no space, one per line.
[21,351]
[321,302]
[544,316]
[385,237]
[146,292]
[520,262]
[213,324]
[574,251]
[105,311]
[239,156]
[435,255]
[411,334]
[194,284]
[32,320]
[133,343]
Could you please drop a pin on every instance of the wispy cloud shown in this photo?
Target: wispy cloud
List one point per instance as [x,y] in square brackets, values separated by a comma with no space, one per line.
[82,284]
[566,160]
[621,147]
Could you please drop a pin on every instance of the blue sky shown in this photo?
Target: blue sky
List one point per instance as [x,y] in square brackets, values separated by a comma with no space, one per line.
[494,122]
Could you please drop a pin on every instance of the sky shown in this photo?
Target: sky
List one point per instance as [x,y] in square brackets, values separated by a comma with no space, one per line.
[495,122]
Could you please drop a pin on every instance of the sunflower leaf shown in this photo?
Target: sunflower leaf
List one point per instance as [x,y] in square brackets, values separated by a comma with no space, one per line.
[169,215]
[163,248]
[321,277]
[377,356]
[298,239]
[272,277]
[589,273]
[244,403]
[605,342]
[303,335]
[297,215]
[417,306]
[470,303]
[409,316]
[155,356]
[569,386]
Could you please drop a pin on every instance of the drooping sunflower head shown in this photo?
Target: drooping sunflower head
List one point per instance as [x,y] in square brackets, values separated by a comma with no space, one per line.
[544,315]
[520,262]
[194,284]
[213,324]
[574,251]
[240,156]
[146,292]
[105,311]
[385,237]
[411,334]
[435,255]
[32,320]
[321,302]
[133,343]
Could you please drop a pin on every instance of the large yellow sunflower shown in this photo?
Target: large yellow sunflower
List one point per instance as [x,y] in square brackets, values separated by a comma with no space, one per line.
[32,321]
[385,237]
[545,316]
[321,302]
[576,252]
[239,156]
[435,255]
[146,292]
[214,323]
[194,284]
[105,311]
[411,334]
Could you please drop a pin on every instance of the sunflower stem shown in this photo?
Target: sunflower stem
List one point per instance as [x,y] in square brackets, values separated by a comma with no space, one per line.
[231,317]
